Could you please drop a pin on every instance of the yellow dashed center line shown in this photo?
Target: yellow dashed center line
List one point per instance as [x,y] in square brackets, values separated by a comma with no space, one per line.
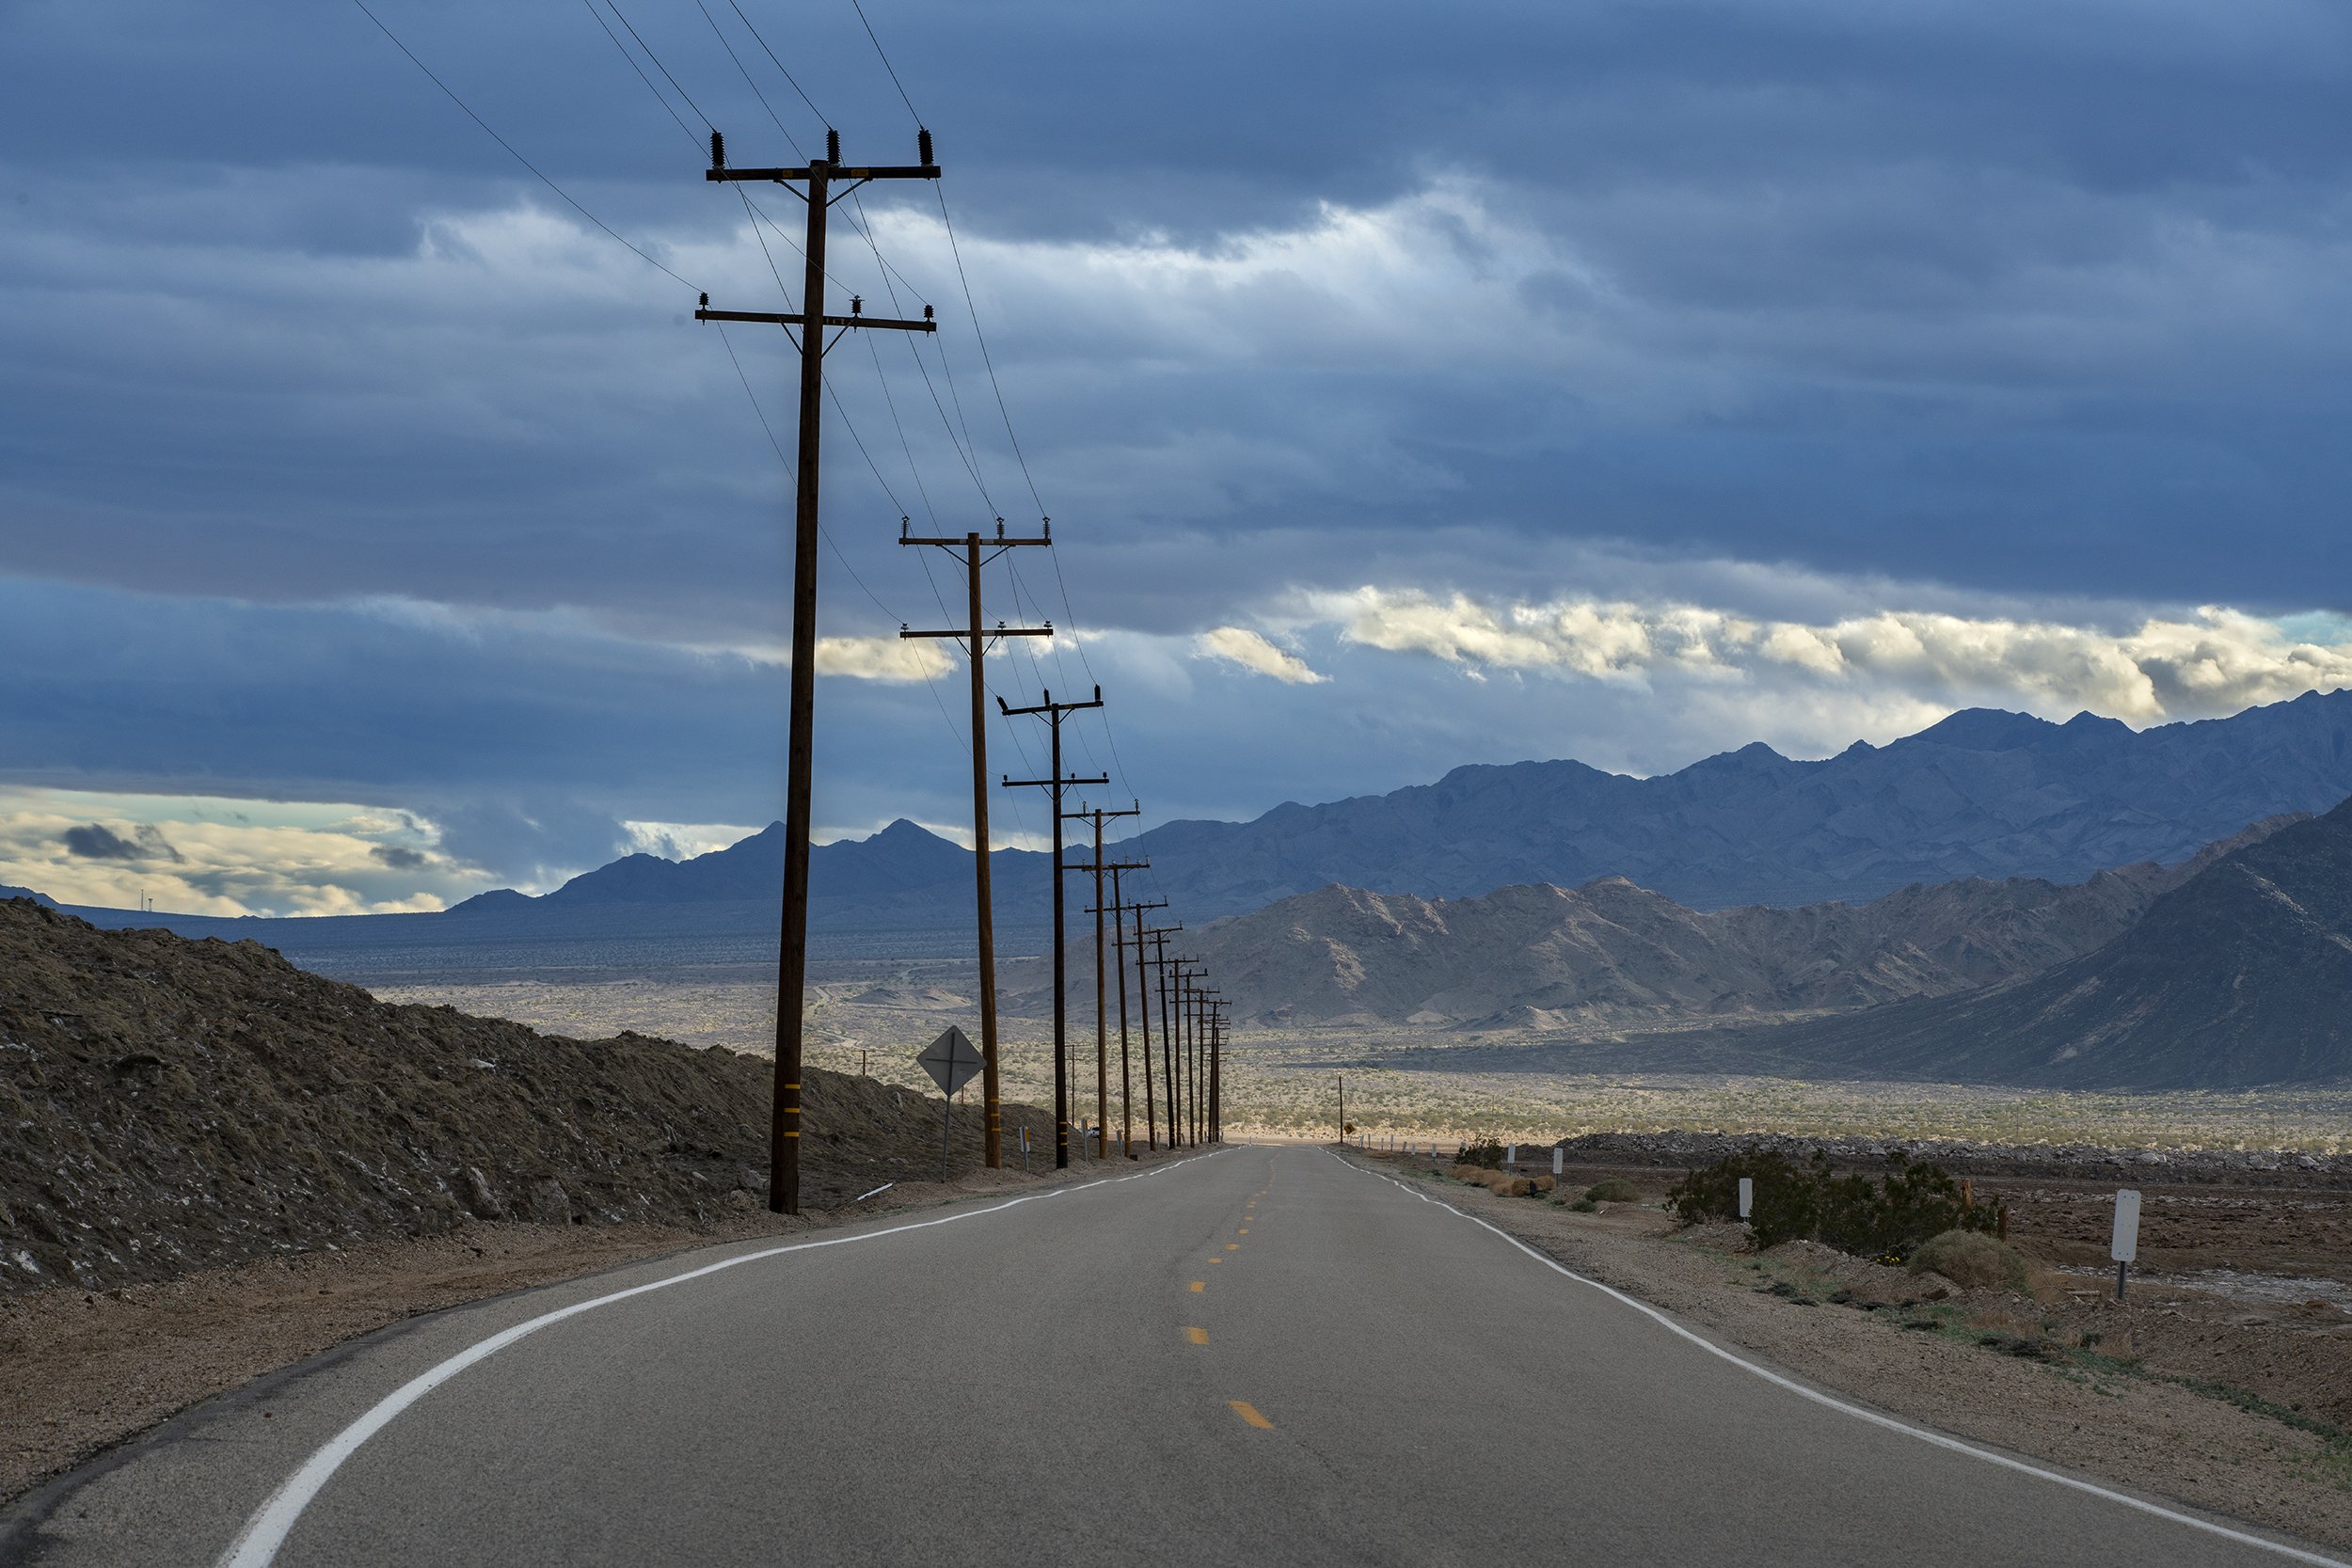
[1243,1231]
[1249,1412]
[1233,1247]
[1216,1260]
[1198,1335]
[1198,1286]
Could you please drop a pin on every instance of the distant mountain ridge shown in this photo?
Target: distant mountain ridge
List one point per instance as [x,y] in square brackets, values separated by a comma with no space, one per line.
[1981,794]
[2241,976]
[1611,956]
[1984,793]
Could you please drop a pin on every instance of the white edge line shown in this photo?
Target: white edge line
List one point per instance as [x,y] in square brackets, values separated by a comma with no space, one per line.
[257,1545]
[1858,1412]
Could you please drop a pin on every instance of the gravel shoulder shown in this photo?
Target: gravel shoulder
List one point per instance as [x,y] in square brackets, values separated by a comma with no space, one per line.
[2157,1403]
[88,1370]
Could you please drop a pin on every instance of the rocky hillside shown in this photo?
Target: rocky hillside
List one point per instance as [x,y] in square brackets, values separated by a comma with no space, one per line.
[2241,976]
[1612,954]
[172,1103]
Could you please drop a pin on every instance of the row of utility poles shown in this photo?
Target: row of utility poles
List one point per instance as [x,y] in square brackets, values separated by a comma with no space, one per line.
[1182,1105]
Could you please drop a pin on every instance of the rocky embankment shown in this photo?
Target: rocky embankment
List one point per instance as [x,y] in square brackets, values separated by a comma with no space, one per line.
[171,1104]
[2238,1167]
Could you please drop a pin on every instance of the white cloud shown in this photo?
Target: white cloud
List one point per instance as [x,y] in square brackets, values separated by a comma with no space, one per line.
[201,855]
[2216,661]
[1247,648]
[880,658]
[682,841]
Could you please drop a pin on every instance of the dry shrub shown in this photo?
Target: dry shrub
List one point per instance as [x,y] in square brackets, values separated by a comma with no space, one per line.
[1545,1183]
[1616,1190]
[1972,1258]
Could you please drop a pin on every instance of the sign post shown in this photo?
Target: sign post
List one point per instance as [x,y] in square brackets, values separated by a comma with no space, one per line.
[1747,1196]
[2124,1247]
[951,1061]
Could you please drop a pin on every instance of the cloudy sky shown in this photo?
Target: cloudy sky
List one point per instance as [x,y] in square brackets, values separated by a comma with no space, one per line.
[1408,386]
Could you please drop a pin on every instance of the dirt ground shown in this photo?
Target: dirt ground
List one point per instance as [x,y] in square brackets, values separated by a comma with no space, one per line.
[89,1370]
[2218,1403]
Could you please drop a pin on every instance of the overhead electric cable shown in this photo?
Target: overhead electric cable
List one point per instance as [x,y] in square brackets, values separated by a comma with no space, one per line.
[658,66]
[885,60]
[779,65]
[550,184]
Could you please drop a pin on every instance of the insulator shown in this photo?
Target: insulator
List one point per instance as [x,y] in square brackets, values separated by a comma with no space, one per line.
[927,313]
[718,150]
[923,146]
[705,304]
[833,144]
[857,305]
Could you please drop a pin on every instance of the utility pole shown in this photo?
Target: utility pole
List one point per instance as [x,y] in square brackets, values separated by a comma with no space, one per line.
[1343,1077]
[1207,1066]
[1189,997]
[1182,975]
[783,1143]
[976,638]
[1143,1013]
[1217,1069]
[1101,1018]
[1158,936]
[1055,713]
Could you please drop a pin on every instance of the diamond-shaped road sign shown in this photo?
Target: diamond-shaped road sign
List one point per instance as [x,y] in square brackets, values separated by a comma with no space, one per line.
[951,1060]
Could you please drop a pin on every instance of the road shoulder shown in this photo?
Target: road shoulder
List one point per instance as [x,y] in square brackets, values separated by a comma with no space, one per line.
[2114,1424]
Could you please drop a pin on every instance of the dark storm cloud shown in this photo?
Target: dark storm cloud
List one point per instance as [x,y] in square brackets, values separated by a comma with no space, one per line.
[2011,306]
[397,857]
[97,842]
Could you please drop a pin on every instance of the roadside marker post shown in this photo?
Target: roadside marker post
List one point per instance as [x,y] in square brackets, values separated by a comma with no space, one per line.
[2124,1246]
[951,1061]
[1747,1196]
[1559,1163]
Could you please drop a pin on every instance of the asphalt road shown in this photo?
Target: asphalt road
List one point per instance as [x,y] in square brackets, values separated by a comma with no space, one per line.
[1261,1356]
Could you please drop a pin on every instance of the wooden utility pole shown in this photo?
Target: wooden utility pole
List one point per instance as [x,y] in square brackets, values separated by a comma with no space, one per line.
[1102,1016]
[1217,1069]
[1208,1065]
[783,1141]
[1158,936]
[1054,713]
[976,638]
[1188,1011]
[1143,1013]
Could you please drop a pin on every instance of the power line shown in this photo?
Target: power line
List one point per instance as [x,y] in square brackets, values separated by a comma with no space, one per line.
[658,66]
[509,145]
[963,278]
[600,22]
[821,113]
[885,60]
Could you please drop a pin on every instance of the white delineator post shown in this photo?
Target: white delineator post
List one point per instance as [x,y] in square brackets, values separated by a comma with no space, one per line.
[2124,1246]
[1747,1196]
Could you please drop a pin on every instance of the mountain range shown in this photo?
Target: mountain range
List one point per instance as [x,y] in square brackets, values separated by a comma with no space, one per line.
[1982,793]
[1611,956]
[2240,976]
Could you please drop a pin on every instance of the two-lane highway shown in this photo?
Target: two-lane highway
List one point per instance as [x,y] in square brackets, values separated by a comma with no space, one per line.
[1263,1355]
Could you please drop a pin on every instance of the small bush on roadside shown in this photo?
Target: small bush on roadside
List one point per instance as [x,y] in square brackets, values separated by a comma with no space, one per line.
[1887,1219]
[1616,1190]
[1488,1154]
[1973,1259]
[1584,1206]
